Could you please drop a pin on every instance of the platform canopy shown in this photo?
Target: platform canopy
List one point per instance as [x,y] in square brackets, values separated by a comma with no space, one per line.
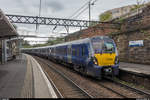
[7,30]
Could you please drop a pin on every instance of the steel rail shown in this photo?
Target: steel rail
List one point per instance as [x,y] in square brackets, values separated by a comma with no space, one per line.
[55,88]
[112,90]
[53,85]
[68,79]
[129,87]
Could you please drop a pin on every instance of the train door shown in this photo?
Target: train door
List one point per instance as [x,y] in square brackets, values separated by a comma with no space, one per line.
[78,55]
[83,55]
[69,53]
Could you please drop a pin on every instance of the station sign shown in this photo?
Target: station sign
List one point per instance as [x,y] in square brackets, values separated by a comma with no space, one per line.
[137,43]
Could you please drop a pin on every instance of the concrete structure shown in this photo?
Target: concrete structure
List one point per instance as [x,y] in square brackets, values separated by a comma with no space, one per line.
[3,52]
[126,11]
[7,30]
[136,68]
[117,12]
[138,74]
[13,47]
[24,78]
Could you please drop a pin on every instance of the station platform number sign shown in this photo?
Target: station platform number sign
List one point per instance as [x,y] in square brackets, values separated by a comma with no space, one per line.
[137,43]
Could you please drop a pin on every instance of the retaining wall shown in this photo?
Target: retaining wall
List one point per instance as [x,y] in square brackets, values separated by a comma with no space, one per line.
[132,29]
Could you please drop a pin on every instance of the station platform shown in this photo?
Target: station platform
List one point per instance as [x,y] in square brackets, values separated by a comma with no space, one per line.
[24,78]
[137,74]
[135,68]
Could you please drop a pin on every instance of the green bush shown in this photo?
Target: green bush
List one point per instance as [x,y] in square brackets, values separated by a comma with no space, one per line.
[105,16]
[92,24]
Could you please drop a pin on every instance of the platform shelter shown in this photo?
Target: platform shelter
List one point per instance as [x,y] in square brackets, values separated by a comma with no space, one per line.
[7,31]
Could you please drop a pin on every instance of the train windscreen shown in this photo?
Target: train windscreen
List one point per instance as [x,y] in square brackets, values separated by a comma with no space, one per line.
[103,46]
[97,44]
[108,47]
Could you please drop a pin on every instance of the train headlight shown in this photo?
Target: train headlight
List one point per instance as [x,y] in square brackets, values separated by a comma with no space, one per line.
[94,60]
[116,60]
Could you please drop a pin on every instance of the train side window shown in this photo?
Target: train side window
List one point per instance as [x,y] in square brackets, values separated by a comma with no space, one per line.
[63,51]
[69,51]
[47,50]
[73,52]
[77,50]
[80,50]
[83,51]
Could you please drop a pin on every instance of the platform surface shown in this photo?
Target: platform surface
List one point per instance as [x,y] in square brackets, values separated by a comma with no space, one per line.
[137,68]
[12,76]
[24,78]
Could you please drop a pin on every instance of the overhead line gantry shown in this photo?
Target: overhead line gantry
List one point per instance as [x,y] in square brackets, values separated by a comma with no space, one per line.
[51,21]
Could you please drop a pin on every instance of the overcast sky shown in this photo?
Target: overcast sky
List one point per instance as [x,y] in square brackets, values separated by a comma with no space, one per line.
[59,9]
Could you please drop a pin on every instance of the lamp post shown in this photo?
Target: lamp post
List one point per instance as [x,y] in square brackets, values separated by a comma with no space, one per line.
[40,8]
[37,26]
[89,11]
[90,8]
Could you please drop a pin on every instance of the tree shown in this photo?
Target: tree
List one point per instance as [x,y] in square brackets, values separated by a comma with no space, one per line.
[26,44]
[15,26]
[105,16]
[55,41]
[92,24]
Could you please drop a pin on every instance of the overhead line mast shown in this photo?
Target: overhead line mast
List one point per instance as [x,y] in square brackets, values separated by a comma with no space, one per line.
[73,15]
[90,8]
[37,25]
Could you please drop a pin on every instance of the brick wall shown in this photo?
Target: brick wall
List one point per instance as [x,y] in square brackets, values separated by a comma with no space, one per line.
[134,54]
[132,29]
[100,29]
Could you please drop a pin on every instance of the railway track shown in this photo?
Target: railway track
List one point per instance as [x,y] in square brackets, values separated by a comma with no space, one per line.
[70,89]
[116,81]
[110,89]
[102,84]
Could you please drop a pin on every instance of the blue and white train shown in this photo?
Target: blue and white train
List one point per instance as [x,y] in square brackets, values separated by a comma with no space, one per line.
[96,56]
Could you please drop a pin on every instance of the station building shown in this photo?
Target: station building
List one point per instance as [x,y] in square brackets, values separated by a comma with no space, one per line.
[7,32]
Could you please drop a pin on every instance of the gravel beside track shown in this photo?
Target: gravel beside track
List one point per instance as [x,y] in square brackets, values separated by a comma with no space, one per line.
[67,88]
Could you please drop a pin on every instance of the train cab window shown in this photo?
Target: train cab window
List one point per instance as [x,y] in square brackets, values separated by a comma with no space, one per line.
[108,47]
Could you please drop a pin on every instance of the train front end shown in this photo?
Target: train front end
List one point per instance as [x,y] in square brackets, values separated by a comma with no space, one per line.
[105,57]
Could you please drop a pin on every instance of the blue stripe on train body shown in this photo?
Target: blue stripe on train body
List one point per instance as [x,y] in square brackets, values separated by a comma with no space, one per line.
[80,54]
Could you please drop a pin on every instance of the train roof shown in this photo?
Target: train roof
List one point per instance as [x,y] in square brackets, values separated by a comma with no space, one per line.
[86,40]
